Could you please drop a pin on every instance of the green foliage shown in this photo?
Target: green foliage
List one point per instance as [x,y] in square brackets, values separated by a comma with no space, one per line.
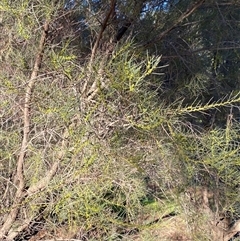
[128,144]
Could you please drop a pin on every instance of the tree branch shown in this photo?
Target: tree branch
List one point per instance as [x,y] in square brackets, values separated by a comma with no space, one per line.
[104,25]
[19,178]
[232,231]
[186,14]
[40,185]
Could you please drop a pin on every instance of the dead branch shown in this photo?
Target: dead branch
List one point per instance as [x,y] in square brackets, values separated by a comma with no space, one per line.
[19,178]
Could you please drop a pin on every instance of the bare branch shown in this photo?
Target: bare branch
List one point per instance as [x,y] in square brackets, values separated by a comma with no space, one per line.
[19,178]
